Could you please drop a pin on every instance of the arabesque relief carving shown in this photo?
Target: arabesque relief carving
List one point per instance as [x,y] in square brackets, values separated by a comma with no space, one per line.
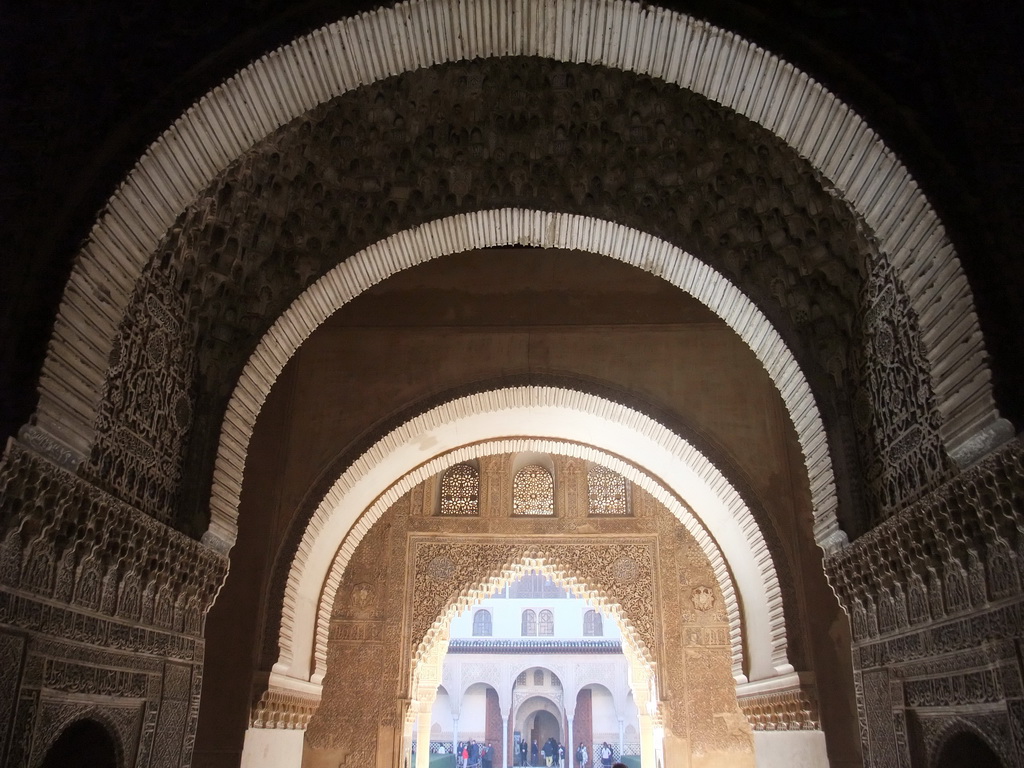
[126,594]
[372,651]
[934,599]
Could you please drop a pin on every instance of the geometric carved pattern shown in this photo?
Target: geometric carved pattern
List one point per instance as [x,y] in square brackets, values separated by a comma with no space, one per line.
[791,710]
[460,490]
[971,525]
[11,650]
[146,411]
[141,556]
[894,411]
[878,706]
[124,593]
[934,597]
[283,709]
[606,491]
[533,492]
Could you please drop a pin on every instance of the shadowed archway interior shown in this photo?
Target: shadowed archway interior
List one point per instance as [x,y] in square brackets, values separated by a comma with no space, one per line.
[562,234]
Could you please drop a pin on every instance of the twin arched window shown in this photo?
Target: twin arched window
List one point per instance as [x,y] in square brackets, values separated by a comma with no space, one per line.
[482,624]
[540,624]
[592,626]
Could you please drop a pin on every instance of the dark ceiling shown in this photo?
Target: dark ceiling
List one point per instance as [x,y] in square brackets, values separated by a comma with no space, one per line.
[86,87]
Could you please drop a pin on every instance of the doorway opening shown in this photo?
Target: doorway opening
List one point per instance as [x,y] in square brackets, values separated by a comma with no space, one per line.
[534,675]
[83,744]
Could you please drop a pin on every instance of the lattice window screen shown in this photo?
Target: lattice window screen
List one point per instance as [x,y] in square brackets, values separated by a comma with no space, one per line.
[606,492]
[460,491]
[533,491]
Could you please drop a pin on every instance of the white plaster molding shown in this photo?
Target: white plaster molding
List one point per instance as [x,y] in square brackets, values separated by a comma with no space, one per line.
[445,435]
[510,226]
[347,54]
[779,684]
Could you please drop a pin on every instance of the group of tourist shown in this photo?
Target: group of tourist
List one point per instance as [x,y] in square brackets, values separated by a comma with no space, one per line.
[471,754]
[553,754]
[474,755]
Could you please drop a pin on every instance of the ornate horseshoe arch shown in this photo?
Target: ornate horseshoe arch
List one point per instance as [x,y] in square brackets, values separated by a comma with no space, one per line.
[559,447]
[726,531]
[654,42]
[506,227]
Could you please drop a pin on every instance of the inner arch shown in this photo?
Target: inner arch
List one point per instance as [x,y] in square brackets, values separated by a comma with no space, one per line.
[427,444]
[617,464]
[521,227]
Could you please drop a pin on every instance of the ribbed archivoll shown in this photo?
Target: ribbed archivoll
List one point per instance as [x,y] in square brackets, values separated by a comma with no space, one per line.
[342,56]
[479,229]
[551,398]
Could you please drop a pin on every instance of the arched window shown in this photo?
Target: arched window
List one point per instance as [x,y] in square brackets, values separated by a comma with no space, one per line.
[538,677]
[529,623]
[482,624]
[606,492]
[533,491]
[592,624]
[545,623]
[460,491]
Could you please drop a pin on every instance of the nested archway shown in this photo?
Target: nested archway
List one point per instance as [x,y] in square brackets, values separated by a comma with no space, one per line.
[636,446]
[627,37]
[490,228]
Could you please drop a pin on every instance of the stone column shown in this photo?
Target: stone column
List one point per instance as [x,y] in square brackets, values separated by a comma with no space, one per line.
[455,738]
[570,747]
[504,740]
[407,740]
[622,734]
[272,748]
[647,757]
[423,737]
